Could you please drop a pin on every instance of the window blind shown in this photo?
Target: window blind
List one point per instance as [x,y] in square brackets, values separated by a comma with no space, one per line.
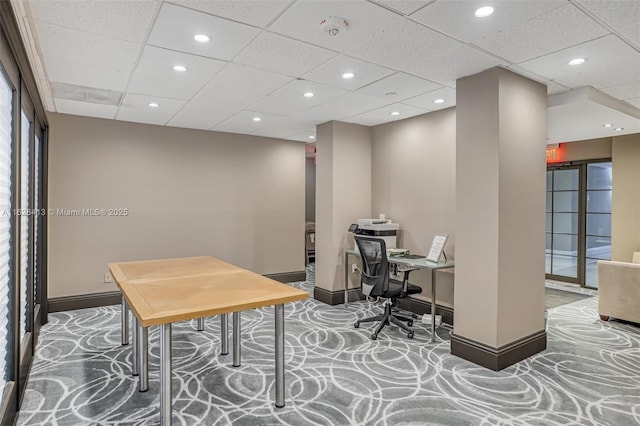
[24,222]
[6,121]
[36,219]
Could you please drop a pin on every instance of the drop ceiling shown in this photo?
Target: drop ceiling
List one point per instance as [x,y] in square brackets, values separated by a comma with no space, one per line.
[111,59]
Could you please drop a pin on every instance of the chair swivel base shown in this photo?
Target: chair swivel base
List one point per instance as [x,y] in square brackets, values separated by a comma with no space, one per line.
[385,319]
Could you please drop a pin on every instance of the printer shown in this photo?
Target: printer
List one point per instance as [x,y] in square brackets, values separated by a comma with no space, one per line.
[379,228]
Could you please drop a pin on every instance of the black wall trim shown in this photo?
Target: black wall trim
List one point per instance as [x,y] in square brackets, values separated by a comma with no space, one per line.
[497,359]
[422,307]
[288,277]
[10,402]
[410,304]
[81,301]
[93,300]
[336,297]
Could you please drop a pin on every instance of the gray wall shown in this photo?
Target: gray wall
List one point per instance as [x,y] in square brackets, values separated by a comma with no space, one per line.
[310,190]
[413,171]
[188,192]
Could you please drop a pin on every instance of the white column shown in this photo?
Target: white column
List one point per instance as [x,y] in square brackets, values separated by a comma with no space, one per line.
[501,127]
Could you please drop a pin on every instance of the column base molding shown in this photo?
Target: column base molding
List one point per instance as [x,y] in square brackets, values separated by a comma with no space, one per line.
[497,359]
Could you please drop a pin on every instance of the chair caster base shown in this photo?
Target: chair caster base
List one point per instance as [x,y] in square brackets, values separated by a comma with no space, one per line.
[410,323]
[410,335]
[356,324]
[374,336]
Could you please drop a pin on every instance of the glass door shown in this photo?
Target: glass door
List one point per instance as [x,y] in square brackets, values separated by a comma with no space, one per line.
[598,211]
[563,224]
[578,220]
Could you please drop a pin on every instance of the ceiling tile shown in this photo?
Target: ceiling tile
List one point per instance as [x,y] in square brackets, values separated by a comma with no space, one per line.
[622,16]
[194,116]
[175,27]
[124,20]
[552,87]
[304,136]
[136,108]
[86,74]
[406,7]
[253,12]
[211,106]
[624,91]
[402,43]
[302,22]
[403,85]
[601,54]
[382,115]
[248,79]
[88,109]
[154,74]
[77,46]
[276,53]
[447,67]
[243,122]
[289,99]
[285,130]
[550,32]
[425,101]
[348,105]
[457,18]
[635,102]
[331,72]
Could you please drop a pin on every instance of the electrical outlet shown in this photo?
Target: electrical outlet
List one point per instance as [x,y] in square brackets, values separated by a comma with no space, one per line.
[354,267]
[108,278]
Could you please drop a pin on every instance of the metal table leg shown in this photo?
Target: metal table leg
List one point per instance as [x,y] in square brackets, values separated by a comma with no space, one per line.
[346,278]
[279,355]
[224,334]
[433,305]
[143,358]
[135,347]
[165,374]
[236,339]
[124,321]
[200,324]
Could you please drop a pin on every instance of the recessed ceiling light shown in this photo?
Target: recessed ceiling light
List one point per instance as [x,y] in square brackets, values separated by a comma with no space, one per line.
[179,68]
[484,11]
[202,38]
[256,119]
[619,129]
[607,125]
[577,61]
[312,137]
[348,75]
[394,113]
[438,101]
[391,94]
[309,94]
[154,104]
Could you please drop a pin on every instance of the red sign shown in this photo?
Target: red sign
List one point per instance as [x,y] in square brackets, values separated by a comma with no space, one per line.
[553,155]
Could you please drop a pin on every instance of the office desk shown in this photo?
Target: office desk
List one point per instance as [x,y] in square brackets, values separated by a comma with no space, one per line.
[161,292]
[421,263]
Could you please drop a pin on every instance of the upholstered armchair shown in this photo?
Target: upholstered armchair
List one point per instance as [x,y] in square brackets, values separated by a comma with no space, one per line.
[619,289]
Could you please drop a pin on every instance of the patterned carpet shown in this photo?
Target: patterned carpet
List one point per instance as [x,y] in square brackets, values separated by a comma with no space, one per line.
[335,375]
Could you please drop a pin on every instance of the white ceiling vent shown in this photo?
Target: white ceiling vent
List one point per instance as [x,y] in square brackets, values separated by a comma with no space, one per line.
[85,94]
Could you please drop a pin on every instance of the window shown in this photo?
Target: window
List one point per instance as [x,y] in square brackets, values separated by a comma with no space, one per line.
[25,282]
[6,114]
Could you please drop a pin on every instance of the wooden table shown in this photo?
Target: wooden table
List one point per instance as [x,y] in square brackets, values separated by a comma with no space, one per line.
[161,292]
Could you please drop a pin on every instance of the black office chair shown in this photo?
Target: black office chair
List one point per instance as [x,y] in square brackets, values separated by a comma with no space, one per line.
[375,282]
